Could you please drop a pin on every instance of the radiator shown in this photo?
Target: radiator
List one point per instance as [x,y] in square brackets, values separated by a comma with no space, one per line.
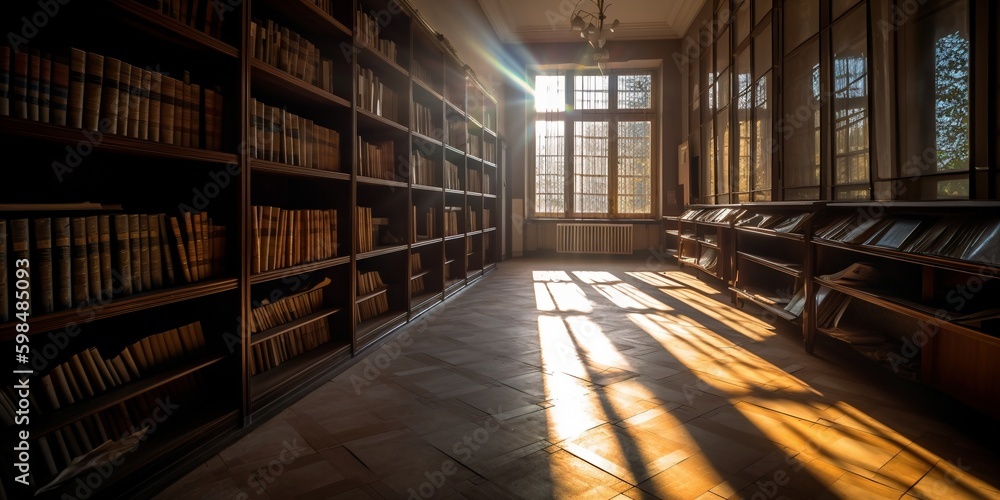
[594,238]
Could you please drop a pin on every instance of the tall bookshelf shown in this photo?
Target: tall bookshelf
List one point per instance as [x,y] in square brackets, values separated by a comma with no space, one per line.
[334,214]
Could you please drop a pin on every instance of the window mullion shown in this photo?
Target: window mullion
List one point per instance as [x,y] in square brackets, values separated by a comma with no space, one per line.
[569,134]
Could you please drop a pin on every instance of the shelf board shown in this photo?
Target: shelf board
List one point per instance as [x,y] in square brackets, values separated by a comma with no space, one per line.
[380,251]
[421,274]
[777,311]
[16,127]
[423,243]
[282,83]
[428,139]
[980,269]
[489,230]
[422,187]
[454,150]
[290,170]
[453,285]
[424,300]
[707,243]
[75,412]
[791,269]
[120,306]
[488,195]
[454,237]
[172,31]
[371,327]
[453,108]
[425,87]
[376,120]
[907,308]
[489,163]
[449,261]
[370,56]
[257,338]
[475,122]
[454,191]
[490,131]
[474,158]
[473,193]
[371,295]
[474,233]
[263,384]
[375,181]
[692,262]
[770,232]
[299,269]
[315,19]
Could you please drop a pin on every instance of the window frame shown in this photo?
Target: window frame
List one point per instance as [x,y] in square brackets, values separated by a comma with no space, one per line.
[613,115]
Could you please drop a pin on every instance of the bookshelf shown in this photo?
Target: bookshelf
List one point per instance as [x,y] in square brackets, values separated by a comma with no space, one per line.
[335,210]
[912,286]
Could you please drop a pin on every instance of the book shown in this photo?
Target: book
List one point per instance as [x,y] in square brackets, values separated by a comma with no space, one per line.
[145,83]
[34,82]
[109,103]
[134,102]
[20,250]
[182,258]
[80,265]
[166,260]
[43,265]
[123,262]
[92,91]
[895,234]
[145,274]
[155,105]
[104,244]
[19,85]
[134,237]
[62,259]
[155,261]
[124,93]
[59,101]
[93,257]
[45,89]
[167,110]
[77,77]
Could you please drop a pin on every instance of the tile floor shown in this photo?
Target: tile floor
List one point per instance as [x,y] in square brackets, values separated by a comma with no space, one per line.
[606,379]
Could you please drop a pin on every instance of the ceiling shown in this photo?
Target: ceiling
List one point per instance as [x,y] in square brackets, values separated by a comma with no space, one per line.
[533,21]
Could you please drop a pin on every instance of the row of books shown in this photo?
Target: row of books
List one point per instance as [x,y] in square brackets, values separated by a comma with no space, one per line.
[369,32]
[283,238]
[87,259]
[451,218]
[202,15]
[95,441]
[430,225]
[283,137]
[420,73]
[472,219]
[487,223]
[376,159]
[490,153]
[417,284]
[479,182]
[291,53]
[368,283]
[475,147]
[423,120]
[422,170]
[273,351]
[452,177]
[712,215]
[375,96]
[366,229]
[86,90]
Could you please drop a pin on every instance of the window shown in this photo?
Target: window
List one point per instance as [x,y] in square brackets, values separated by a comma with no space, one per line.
[850,107]
[593,145]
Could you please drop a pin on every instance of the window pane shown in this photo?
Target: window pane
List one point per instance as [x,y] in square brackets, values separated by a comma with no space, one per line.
[743,78]
[801,22]
[760,9]
[842,6]
[590,164]
[744,114]
[550,167]
[635,91]
[936,110]
[591,92]
[722,51]
[722,90]
[850,103]
[800,125]
[550,93]
[635,174]
[762,52]
[742,22]
[762,139]
[722,152]
[708,161]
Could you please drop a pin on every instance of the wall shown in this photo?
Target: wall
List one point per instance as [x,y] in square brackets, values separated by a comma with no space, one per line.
[539,235]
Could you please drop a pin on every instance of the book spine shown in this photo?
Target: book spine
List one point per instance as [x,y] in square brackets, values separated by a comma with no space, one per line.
[34,82]
[112,71]
[155,105]
[155,264]
[81,280]
[60,92]
[197,114]
[77,72]
[136,260]
[123,265]
[19,94]
[145,273]
[167,111]
[144,103]
[169,277]
[134,102]
[45,90]
[62,259]
[187,107]
[92,93]
[181,252]
[93,257]
[104,242]
[43,264]
[124,92]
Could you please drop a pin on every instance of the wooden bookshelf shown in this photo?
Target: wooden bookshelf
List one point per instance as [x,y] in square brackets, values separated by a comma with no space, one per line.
[228,179]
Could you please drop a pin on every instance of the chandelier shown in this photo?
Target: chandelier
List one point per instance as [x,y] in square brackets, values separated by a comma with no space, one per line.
[591,27]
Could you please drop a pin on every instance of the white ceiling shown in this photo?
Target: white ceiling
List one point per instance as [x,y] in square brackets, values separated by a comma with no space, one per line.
[531,21]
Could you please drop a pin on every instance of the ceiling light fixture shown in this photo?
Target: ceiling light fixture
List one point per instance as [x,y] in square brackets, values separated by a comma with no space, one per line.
[584,21]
